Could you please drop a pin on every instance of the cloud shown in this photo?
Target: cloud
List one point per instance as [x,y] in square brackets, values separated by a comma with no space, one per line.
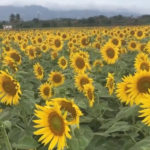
[132,5]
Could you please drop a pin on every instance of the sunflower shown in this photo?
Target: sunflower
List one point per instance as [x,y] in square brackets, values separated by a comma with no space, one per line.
[142,65]
[89,93]
[15,56]
[132,46]
[78,63]
[115,41]
[84,41]
[10,63]
[110,83]
[57,43]
[56,78]
[139,86]
[38,71]
[139,34]
[31,52]
[45,91]
[73,111]
[122,91]
[109,53]
[81,80]
[51,126]
[62,62]
[9,89]
[145,109]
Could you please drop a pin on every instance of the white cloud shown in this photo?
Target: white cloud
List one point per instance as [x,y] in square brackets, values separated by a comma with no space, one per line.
[132,5]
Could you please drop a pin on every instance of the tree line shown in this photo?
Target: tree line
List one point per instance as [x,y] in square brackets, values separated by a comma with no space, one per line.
[18,23]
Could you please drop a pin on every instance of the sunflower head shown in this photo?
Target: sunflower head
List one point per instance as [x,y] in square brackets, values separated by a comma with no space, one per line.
[109,53]
[45,91]
[62,62]
[38,71]
[52,125]
[10,89]
[56,78]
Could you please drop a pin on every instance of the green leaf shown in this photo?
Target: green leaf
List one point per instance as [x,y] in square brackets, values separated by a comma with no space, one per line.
[26,142]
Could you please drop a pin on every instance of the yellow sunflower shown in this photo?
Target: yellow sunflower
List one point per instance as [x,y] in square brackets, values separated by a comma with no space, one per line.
[9,89]
[139,86]
[62,62]
[110,83]
[122,91]
[51,126]
[57,43]
[145,109]
[15,56]
[89,93]
[38,71]
[81,80]
[45,91]
[73,111]
[109,53]
[78,63]
[56,78]
[142,65]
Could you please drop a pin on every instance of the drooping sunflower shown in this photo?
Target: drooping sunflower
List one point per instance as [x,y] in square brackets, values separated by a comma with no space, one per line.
[10,63]
[110,84]
[15,56]
[45,91]
[89,93]
[38,71]
[98,62]
[139,86]
[51,126]
[81,80]
[9,89]
[62,62]
[73,111]
[122,90]
[109,53]
[78,63]
[56,78]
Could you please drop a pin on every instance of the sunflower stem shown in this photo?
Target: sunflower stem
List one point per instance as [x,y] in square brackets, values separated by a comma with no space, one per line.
[8,145]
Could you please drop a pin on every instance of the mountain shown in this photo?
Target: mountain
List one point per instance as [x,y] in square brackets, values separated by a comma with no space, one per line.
[33,11]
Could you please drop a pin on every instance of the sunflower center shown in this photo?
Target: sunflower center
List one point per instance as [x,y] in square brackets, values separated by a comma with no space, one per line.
[57,43]
[133,45]
[15,57]
[39,40]
[57,78]
[144,84]
[39,70]
[56,124]
[46,91]
[84,81]
[66,106]
[144,66]
[115,41]
[80,63]
[84,42]
[63,62]
[110,52]
[140,33]
[9,86]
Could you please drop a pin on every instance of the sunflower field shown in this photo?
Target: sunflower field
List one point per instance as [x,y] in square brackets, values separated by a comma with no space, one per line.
[75,89]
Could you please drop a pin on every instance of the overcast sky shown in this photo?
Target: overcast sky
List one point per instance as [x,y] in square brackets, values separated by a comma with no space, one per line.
[141,6]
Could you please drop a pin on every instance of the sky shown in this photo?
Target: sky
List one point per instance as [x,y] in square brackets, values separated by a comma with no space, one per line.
[140,6]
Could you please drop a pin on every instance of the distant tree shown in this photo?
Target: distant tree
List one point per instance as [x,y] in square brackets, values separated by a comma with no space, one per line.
[12,18]
[17,18]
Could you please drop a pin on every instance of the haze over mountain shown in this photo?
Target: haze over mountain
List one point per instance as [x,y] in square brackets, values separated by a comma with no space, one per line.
[43,13]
